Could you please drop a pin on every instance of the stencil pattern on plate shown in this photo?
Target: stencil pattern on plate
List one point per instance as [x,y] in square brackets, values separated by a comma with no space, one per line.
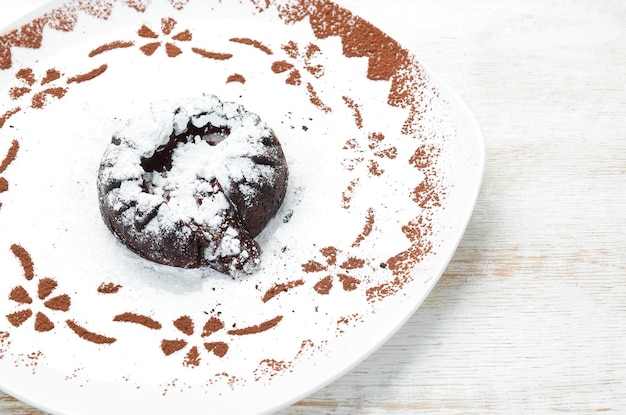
[356,268]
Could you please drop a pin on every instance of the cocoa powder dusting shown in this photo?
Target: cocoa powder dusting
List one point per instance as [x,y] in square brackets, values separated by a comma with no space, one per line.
[18,92]
[89,336]
[25,260]
[167,25]
[324,285]
[19,317]
[192,358]
[312,266]
[39,99]
[280,288]
[353,263]
[4,343]
[346,196]
[8,115]
[426,194]
[387,59]
[374,168]
[172,50]
[258,328]
[382,291]
[109,288]
[219,349]
[89,75]
[254,43]
[60,303]
[367,229]
[43,323]
[45,287]
[62,19]
[424,156]
[358,118]
[359,38]
[139,5]
[212,55]
[100,10]
[281,66]
[330,253]
[118,44]
[138,319]
[311,50]
[236,78]
[349,283]
[172,346]
[20,295]
[145,31]
[27,36]
[184,36]
[291,49]
[51,75]
[185,325]
[150,48]
[213,325]
[315,99]
[11,155]
[27,75]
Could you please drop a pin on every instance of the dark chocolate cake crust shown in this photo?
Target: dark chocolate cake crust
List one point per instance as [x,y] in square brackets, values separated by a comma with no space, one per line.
[190,184]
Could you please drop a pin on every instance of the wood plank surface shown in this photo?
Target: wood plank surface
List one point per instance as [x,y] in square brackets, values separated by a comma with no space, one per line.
[530,316]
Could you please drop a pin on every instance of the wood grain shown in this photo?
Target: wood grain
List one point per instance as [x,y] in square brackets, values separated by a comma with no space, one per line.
[530,316]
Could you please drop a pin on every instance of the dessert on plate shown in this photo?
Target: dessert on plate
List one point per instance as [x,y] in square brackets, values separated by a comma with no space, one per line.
[191,183]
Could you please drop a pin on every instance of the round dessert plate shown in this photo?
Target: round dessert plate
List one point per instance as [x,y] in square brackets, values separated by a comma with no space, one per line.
[385,164]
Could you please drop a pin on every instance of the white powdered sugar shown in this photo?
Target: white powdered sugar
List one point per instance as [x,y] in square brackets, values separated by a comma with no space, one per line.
[174,170]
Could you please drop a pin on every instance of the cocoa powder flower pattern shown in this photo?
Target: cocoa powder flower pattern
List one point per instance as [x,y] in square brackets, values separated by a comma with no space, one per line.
[333,270]
[307,57]
[8,159]
[186,326]
[45,287]
[27,78]
[375,141]
[167,26]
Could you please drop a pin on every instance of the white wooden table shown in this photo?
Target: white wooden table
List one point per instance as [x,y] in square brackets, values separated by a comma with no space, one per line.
[530,316]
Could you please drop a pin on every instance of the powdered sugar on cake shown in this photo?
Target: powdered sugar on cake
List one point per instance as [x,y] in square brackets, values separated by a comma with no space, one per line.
[179,167]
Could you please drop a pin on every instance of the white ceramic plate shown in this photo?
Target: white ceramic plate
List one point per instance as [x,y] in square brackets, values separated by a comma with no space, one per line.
[385,166]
